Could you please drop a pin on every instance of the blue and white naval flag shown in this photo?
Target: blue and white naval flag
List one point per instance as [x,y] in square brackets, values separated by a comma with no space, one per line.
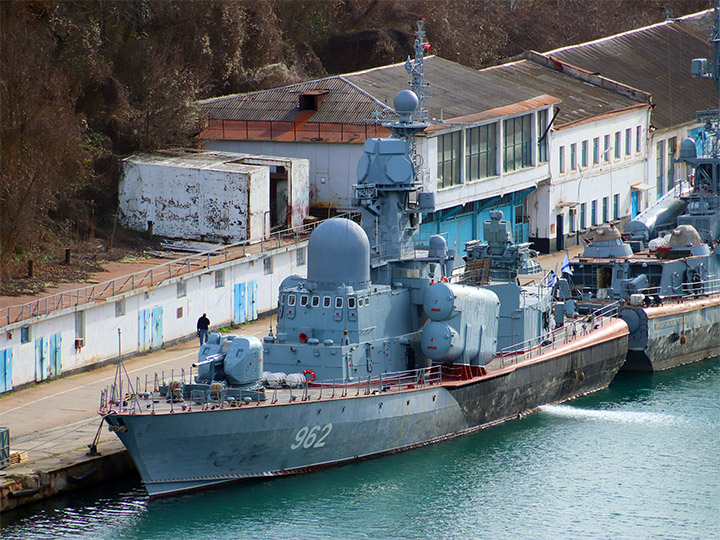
[565,268]
[552,280]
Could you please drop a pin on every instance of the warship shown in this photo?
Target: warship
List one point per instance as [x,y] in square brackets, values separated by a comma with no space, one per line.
[380,349]
[665,266]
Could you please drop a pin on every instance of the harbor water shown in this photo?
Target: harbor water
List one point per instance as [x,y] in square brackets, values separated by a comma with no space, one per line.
[640,459]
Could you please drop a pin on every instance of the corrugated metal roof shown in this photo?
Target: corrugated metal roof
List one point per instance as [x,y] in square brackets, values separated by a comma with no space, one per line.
[655,59]
[344,103]
[456,91]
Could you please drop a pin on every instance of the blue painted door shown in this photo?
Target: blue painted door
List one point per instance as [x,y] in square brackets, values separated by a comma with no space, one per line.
[55,355]
[6,370]
[634,199]
[239,313]
[42,366]
[156,340]
[144,331]
[252,288]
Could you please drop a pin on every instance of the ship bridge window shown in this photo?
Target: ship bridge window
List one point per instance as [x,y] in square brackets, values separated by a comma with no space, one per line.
[315,301]
[304,300]
[282,298]
[291,299]
[326,301]
[338,302]
[351,302]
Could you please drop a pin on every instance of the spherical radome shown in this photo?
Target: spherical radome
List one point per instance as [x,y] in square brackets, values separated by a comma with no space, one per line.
[339,253]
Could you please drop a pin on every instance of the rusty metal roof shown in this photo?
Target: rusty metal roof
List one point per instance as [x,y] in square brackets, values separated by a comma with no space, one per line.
[456,91]
[655,59]
[343,103]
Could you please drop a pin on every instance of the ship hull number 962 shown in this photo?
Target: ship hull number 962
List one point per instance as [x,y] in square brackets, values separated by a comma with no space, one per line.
[311,437]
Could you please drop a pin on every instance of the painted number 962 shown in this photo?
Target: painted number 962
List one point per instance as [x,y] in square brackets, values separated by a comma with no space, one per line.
[311,437]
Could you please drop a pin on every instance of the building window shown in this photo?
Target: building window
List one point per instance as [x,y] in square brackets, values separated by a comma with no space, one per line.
[120,308]
[448,173]
[219,278]
[660,167]
[25,336]
[616,206]
[181,288]
[671,154]
[561,157]
[573,157]
[628,141]
[606,148]
[571,220]
[583,215]
[517,139]
[268,265]
[605,209]
[593,213]
[481,152]
[79,325]
[617,145]
[638,133]
[596,150]
[584,154]
[179,313]
[542,125]
[300,256]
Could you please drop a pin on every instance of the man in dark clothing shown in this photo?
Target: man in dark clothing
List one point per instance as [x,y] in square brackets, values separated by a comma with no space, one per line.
[202,328]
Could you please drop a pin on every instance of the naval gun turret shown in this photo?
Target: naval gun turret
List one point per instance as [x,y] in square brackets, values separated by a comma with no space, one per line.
[498,257]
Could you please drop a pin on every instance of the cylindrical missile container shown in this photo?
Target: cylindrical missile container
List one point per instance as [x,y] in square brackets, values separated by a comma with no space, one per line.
[463,323]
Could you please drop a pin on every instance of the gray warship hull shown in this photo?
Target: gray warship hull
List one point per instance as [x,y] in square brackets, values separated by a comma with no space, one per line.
[187,450]
[672,334]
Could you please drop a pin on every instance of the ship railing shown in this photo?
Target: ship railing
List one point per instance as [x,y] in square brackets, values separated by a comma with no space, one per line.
[682,291]
[169,389]
[157,274]
[562,335]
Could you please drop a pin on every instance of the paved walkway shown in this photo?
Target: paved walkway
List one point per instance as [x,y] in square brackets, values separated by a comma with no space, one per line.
[55,421]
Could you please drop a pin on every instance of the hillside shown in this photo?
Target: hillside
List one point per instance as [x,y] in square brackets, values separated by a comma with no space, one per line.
[85,83]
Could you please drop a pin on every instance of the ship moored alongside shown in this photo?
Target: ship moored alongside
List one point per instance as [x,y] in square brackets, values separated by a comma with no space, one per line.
[381,348]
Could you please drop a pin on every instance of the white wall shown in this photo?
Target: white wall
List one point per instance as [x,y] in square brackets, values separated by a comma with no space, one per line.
[332,166]
[102,324]
[594,181]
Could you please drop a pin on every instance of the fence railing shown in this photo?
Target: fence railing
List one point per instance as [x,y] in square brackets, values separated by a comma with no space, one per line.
[155,275]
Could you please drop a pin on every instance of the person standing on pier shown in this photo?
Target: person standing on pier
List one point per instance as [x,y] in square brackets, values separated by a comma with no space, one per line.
[202,328]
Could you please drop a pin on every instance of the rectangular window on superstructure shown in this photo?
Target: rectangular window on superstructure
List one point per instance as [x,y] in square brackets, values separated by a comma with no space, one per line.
[617,145]
[561,159]
[660,167]
[481,152]
[542,117]
[573,157]
[638,133]
[583,216]
[584,154]
[517,143]
[448,173]
[593,213]
[628,141]
[606,148]
[671,154]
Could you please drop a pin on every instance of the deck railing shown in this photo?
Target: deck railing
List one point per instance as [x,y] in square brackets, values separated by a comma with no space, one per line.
[560,336]
[155,275]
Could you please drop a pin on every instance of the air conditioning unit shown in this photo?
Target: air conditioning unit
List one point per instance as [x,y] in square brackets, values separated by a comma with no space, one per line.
[79,343]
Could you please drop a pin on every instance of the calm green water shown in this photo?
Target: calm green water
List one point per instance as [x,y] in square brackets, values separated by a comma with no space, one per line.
[638,460]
